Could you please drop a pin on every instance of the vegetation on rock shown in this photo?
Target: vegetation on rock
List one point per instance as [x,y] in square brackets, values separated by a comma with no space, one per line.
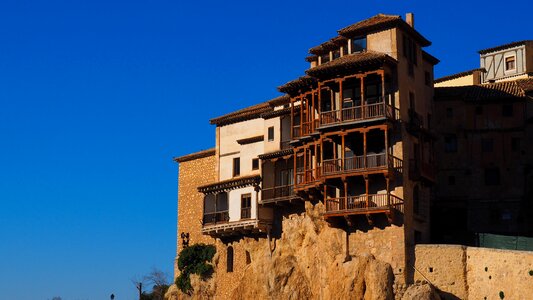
[194,259]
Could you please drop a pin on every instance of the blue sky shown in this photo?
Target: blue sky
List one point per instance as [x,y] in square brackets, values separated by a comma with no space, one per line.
[96,97]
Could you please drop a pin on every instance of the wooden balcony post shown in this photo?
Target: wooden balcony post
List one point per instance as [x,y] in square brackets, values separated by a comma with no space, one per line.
[382,73]
[319,104]
[315,162]
[295,175]
[388,191]
[342,152]
[366,188]
[312,111]
[345,192]
[363,116]
[364,149]
[326,198]
[292,118]
[386,130]
[341,98]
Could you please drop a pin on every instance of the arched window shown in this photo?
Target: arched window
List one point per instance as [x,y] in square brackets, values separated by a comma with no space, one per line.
[416,200]
[229,259]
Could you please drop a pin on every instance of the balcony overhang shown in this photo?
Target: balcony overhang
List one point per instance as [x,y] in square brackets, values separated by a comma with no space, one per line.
[241,227]
[230,184]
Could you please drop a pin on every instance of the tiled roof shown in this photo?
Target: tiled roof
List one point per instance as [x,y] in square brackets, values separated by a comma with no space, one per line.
[294,85]
[196,155]
[382,22]
[430,58]
[457,75]
[347,63]
[330,45]
[506,46]
[275,154]
[230,184]
[276,113]
[485,92]
[251,112]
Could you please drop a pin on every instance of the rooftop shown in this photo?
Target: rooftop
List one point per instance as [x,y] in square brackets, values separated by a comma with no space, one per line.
[506,46]
[486,92]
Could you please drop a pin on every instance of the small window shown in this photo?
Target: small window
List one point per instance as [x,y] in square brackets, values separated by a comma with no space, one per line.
[270,134]
[515,144]
[450,144]
[449,112]
[236,166]
[479,110]
[359,44]
[451,180]
[246,206]
[248,258]
[509,63]
[507,110]
[487,145]
[492,176]
[229,259]
[427,78]
[255,164]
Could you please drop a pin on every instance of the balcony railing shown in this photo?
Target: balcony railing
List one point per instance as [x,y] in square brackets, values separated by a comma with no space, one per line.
[361,163]
[246,213]
[296,131]
[358,113]
[216,217]
[363,204]
[307,176]
[277,193]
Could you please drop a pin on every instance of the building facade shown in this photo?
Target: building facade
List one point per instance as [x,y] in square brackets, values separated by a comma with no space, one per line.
[484,155]
[352,135]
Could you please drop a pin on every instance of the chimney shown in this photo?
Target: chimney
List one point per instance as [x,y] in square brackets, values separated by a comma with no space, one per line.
[410,19]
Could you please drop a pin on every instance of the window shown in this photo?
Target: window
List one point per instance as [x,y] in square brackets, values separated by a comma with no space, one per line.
[449,112]
[515,144]
[507,110]
[409,51]
[246,206]
[492,176]
[359,44]
[451,180]
[412,101]
[450,144]
[255,164]
[229,259]
[427,78]
[487,145]
[236,166]
[336,54]
[248,258]
[479,110]
[270,134]
[509,63]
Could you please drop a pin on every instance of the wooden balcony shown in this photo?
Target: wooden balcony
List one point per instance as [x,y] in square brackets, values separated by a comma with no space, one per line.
[363,204]
[361,164]
[216,218]
[246,213]
[369,112]
[307,177]
[277,194]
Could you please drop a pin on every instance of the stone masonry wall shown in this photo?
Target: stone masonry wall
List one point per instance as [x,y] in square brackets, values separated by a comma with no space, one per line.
[476,273]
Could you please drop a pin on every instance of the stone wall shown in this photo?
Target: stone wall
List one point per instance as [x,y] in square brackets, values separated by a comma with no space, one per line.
[476,273]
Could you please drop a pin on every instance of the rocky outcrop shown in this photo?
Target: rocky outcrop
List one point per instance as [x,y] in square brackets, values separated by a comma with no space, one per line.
[308,262]
[421,292]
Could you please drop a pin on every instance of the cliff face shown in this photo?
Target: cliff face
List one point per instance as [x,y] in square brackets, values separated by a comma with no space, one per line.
[307,262]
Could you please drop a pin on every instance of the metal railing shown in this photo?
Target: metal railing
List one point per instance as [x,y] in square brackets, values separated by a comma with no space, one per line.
[216,217]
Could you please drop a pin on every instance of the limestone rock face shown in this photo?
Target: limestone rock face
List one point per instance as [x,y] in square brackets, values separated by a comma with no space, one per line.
[420,292]
[308,262]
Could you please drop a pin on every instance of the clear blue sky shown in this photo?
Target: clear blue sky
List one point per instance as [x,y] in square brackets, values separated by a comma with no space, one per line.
[96,97]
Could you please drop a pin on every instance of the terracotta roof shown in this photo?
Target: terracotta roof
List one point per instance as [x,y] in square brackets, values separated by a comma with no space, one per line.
[506,46]
[348,63]
[281,100]
[486,92]
[276,113]
[382,22]
[332,44]
[275,154]
[457,75]
[311,58]
[299,83]
[250,140]
[196,155]
[430,58]
[230,184]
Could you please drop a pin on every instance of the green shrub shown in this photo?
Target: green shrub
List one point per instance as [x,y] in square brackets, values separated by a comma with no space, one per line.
[194,260]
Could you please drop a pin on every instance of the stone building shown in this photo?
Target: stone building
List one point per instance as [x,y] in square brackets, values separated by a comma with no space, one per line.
[352,136]
[484,123]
